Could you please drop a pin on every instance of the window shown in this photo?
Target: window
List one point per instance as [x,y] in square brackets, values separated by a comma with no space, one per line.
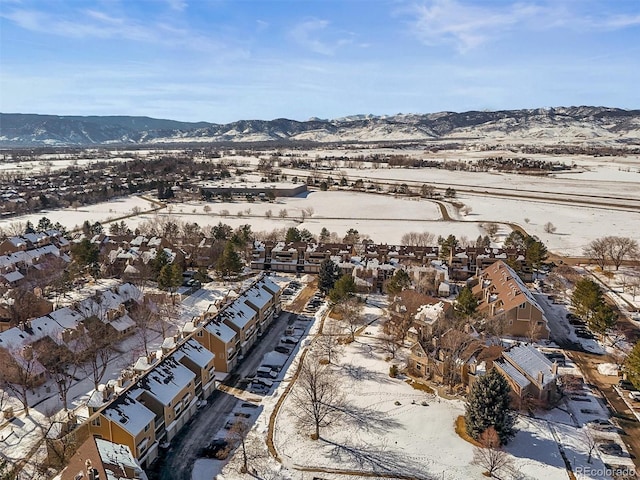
[142,446]
[200,333]
[96,422]
[146,428]
[522,306]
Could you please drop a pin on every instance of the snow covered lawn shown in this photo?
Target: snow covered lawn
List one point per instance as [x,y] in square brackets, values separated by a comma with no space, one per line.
[386,430]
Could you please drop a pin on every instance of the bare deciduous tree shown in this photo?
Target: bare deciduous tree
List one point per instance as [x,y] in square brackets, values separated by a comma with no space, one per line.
[352,316]
[418,239]
[391,344]
[317,396]
[329,341]
[19,372]
[620,248]
[491,228]
[490,455]
[549,227]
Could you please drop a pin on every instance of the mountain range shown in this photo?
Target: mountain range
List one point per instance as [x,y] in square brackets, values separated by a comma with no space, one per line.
[583,125]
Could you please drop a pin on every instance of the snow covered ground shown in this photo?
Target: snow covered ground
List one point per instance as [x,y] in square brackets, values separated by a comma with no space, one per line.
[394,429]
[73,218]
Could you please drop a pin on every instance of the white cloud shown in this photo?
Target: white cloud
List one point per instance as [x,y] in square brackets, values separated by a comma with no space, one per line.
[466,26]
[309,33]
[178,5]
[98,24]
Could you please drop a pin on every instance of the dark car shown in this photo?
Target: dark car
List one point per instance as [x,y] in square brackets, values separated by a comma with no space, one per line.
[611,448]
[282,349]
[626,384]
[217,448]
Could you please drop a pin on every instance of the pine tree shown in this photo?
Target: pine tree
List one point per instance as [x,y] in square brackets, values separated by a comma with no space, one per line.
[327,276]
[586,297]
[466,303]
[488,406]
[602,319]
[632,366]
[293,235]
[536,252]
[170,277]
[229,262]
[399,282]
[343,289]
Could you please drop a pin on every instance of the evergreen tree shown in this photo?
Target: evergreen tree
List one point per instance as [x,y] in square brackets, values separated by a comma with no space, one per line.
[293,235]
[170,277]
[515,240]
[327,276]
[398,282]
[603,319]
[466,303]
[324,235]
[29,228]
[586,297]
[632,366]
[221,231]
[160,260]
[488,406]
[85,253]
[344,288]
[352,236]
[536,252]
[446,245]
[44,224]
[229,262]
[306,236]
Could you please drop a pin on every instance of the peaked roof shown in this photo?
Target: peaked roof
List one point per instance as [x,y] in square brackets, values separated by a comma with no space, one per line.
[530,362]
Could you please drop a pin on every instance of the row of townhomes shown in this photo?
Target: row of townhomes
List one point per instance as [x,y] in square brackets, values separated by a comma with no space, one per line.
[445,354]
[66,328]
[161,395]
[380,259]
[29,256]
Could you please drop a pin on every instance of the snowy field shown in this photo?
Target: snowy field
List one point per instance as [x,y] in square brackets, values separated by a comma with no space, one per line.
[99,212]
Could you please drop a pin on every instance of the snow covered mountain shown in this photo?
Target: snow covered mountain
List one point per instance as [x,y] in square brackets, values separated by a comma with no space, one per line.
[584,125]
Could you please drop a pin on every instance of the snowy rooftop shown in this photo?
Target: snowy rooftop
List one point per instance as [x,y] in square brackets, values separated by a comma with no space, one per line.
[531,361]
[513,372]
[123,323]
[167,380]
[256,296]
[129,413]
[269,284]
[222,331]
[118,456]
[430,312]
[196,352]
[238,313]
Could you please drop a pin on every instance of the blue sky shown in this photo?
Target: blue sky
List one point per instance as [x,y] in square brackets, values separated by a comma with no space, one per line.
[226,60]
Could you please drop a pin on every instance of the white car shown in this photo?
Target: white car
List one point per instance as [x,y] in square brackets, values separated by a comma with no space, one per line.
[634,396]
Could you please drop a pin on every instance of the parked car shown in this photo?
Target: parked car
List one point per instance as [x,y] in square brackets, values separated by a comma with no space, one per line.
[282,349]
[635,395]
[289,340]
[626,384]
[611,448]
[217,448]
[265,372]
[242,414]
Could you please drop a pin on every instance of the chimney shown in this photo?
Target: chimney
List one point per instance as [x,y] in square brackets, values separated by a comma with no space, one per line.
[554,368]
[540,377]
